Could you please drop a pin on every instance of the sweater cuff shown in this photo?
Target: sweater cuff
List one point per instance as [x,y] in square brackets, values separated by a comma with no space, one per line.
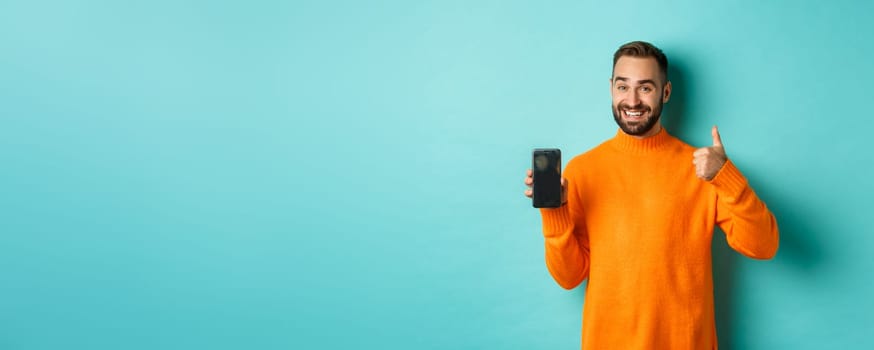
[555,220]
[729,181]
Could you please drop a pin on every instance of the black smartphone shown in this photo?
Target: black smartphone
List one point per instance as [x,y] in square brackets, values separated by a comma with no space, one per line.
[546,165]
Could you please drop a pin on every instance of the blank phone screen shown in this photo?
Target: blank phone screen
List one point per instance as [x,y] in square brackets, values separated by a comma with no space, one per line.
[547,178]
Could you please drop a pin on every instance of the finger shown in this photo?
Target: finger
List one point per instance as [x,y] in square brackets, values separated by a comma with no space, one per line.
[563,182]
[529,181]
[529,173]
[717,141]
[529,193]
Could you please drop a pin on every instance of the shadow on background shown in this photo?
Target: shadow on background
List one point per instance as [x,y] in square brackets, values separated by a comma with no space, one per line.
[797,225]
[674,113]
[800,228]
[798,253]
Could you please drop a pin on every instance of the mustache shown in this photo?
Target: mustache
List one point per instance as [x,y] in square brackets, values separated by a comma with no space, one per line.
[638,106]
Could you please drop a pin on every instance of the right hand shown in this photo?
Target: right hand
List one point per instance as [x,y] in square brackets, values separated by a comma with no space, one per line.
[529,181]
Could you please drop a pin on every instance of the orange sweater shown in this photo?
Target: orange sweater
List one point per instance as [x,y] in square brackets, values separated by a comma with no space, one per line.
[639,224]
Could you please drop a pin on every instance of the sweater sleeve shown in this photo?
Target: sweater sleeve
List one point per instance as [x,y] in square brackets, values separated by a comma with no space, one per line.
[567,246]
[749,226]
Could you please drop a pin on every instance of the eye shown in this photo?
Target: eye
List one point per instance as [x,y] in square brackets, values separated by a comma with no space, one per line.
[621,87]
[646,89]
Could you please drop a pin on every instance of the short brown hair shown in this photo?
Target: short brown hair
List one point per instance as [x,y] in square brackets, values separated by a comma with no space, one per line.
[643,49]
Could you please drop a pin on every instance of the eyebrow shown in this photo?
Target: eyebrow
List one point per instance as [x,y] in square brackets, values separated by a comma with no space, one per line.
[640,82]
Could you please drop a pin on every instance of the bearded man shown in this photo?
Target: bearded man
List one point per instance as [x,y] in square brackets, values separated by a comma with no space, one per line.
[638,216]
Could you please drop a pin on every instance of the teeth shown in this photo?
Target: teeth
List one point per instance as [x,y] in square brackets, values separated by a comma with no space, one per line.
[632,114]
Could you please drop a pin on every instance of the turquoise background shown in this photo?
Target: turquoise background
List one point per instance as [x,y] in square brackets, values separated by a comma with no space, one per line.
[327,175]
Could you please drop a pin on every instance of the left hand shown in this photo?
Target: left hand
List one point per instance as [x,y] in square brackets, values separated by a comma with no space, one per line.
[708,160]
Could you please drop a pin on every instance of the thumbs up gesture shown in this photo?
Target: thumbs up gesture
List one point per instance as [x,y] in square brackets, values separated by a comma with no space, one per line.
[708,160]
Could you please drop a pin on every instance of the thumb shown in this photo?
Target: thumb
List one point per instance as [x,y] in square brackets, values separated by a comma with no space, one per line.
[717,141]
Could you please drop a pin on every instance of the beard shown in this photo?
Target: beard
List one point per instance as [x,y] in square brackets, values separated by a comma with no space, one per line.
[638,128]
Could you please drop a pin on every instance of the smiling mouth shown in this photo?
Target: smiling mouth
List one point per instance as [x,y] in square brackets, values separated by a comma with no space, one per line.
[631,114]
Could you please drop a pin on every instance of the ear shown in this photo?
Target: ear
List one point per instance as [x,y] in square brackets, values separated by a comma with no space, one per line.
[667,93]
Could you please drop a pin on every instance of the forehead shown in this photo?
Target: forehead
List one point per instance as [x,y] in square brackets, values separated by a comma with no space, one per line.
[637,68]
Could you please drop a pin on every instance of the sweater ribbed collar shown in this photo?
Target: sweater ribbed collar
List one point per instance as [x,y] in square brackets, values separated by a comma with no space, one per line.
[631,144]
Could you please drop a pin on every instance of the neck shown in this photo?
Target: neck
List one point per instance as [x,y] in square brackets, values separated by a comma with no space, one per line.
[641,144]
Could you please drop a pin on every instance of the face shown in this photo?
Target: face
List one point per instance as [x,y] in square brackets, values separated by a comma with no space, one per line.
[639,92]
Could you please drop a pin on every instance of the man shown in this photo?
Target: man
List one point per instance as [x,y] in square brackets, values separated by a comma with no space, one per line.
[638,216]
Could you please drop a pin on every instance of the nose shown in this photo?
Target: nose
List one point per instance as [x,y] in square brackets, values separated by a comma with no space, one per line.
[633,98]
